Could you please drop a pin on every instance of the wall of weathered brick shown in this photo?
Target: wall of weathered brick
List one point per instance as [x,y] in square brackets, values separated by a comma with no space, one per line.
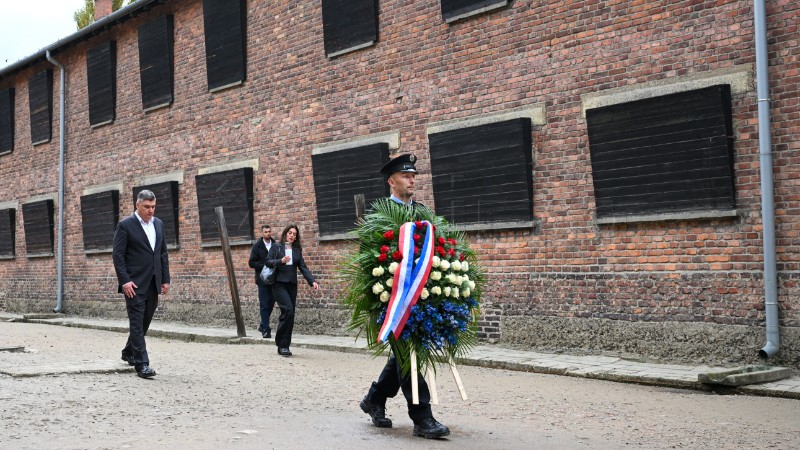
[567,284]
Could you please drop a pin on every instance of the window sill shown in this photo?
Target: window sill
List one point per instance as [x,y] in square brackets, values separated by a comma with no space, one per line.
[230,243]
[97,251]
[98,125]
[40,255]
[707,215]
[533,225]
[7,257]
[350,49]
[337,237]
[467,14]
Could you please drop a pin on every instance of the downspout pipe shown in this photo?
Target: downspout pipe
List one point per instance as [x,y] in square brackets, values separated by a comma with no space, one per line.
[61,142]
[773,338]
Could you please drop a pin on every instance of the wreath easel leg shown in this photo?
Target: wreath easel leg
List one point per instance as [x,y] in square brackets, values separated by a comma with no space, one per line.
[413,374]
[457,377]
[432,385]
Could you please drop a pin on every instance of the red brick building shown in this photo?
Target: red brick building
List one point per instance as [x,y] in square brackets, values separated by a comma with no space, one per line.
[603,157]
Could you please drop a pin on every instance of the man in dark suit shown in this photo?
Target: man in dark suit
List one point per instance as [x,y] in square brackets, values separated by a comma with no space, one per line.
[401,177]
[258,257]
[142,266]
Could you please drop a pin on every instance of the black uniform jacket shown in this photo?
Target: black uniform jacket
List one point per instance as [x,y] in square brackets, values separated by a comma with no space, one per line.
[288,274]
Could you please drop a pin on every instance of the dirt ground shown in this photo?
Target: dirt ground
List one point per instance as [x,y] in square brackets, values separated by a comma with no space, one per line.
[212,396]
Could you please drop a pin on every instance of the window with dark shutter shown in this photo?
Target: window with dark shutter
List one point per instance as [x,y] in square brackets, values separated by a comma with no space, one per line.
[482,174]
[225,23]
[349,25]
[38,218]
[166,208]
[40,99]
[8,229]
[6,120]
[101,75]
[453,10]
[99,214]
[233,190]
[666,154]
[342,174]
[156,52]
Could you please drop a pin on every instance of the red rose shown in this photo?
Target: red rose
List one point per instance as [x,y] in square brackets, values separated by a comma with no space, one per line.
[416,237]
[382,257]
[461,257]
[397,256]
[440,250]
[441,240]
[451,252]
[385,249]
[452,241]
[419,224]
[389,235]
[416,250]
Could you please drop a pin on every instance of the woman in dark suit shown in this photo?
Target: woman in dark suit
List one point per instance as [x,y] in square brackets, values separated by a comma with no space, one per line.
[286,258]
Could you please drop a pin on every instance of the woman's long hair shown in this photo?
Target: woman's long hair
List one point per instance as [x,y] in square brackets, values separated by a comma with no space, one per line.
[296,242]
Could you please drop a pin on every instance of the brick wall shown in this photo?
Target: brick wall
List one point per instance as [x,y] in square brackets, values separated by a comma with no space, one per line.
[680,273]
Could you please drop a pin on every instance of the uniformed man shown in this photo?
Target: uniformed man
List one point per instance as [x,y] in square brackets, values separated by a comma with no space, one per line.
[401,177]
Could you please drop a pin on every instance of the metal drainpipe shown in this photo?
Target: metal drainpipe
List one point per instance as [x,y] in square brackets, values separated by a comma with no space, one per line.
[767,202]
[61,126]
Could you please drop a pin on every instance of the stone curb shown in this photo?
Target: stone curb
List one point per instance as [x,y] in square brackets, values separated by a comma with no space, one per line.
[596,367]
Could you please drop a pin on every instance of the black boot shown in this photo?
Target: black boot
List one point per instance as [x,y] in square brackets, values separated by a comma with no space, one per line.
[377,412]
[429,428]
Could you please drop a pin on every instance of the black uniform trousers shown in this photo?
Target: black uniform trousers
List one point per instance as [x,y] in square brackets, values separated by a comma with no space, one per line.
[141,309]
[391,381]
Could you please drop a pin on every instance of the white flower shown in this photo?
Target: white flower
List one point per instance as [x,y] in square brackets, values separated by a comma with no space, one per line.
[465,292]
[378,271]
[465,266]
[459,280]
[436,290]
[471,284]
[385,296]
[393,267]
[436,275]
[389,282]
[377,288]
[447,291]
[424,294]
[444,265]
[456,266]
[455,293]
[451,278]
[436,261]
[465,277]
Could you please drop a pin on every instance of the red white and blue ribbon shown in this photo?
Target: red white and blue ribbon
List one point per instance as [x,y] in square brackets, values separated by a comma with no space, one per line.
[409,279]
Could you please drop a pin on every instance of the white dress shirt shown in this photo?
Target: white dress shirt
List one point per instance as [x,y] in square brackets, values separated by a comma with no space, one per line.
[149,230]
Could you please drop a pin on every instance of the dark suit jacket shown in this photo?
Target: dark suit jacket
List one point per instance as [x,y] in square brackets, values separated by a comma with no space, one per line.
[134,260]
[288,274]
[258,256]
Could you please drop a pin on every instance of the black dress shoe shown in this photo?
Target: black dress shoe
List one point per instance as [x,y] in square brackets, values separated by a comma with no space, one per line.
[377,412]
[128,359]
[260,330]
[284,351]
[429,428]
[266,334]
[145,371]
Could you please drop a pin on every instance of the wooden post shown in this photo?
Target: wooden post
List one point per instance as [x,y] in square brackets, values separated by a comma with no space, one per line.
[432,385]
[414,374]
[457,377]
[226,251]
[361,206]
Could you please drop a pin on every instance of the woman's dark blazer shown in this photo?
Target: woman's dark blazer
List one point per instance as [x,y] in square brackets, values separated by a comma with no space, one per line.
[288,274]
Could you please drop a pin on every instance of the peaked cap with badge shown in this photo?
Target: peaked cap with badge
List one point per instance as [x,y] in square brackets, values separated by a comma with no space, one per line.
[403,163]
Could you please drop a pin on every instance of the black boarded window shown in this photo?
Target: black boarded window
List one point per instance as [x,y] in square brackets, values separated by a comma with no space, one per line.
[224,22]
[38,218]
[342,174]
[166,208]
[482,174]
[40,99]
[101,74]
[349,25]
[8,229]
[156,53]
[99,217]
[6,120]
[233,190]
[666,154]
[453,10]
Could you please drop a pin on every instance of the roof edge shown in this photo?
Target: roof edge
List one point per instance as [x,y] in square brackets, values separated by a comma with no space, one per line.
[114,18]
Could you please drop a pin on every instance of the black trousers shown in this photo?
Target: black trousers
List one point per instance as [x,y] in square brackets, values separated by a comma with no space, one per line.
[266,303]
[141,309]
[286,297]
[391,381]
